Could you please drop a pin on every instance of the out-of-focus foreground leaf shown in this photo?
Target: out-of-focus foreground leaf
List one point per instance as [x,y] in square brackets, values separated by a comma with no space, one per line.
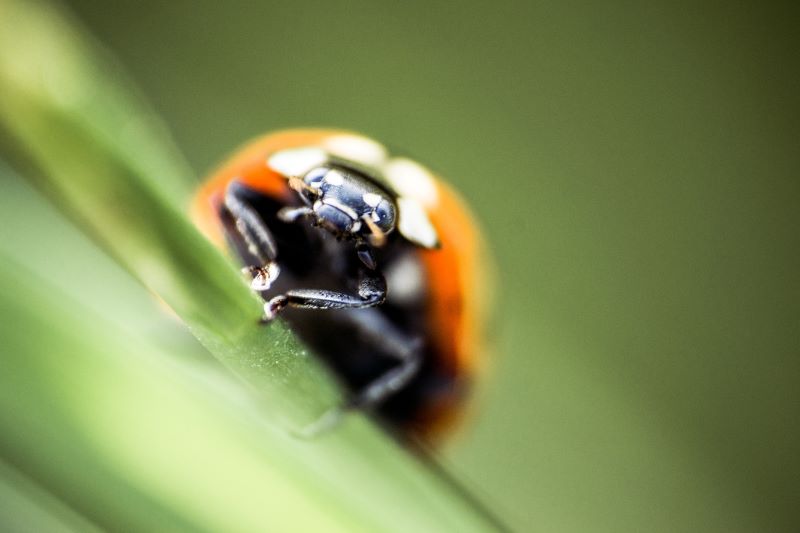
[114,429]
[139,446]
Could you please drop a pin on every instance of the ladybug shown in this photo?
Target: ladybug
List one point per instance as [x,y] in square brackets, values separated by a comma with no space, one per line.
[373,262]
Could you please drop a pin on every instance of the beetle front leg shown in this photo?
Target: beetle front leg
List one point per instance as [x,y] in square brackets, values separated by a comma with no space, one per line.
[256,235]
[371,292]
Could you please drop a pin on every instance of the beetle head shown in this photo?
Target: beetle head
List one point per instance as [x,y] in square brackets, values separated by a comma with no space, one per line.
[348,204]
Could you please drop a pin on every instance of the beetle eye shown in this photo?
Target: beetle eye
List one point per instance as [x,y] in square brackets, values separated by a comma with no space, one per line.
[315,177]
[385,212]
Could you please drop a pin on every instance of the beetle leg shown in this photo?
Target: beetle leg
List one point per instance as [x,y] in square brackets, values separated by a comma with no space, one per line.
[371,292]
[407,351]
[392,381]
[395,344]
[292,214]
[256,235]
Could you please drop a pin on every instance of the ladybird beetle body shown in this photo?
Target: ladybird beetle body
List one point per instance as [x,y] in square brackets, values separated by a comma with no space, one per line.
[371,260]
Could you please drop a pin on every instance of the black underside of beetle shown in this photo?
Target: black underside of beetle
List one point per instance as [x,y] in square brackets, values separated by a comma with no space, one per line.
[355,343]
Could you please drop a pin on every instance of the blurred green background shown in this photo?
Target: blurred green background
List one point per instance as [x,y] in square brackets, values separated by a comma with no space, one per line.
[635,167]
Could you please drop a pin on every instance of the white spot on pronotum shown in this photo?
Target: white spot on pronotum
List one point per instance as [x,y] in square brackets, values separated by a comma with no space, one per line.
[356,148]
[372,199]
[414,223]
[296,161]
[411,179]
[334,177]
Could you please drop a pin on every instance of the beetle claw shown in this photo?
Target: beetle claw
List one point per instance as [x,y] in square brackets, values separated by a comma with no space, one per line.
[273,307]
[263,277]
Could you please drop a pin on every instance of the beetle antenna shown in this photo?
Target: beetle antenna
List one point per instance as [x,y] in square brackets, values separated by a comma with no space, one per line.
[376,237]
[299,185]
